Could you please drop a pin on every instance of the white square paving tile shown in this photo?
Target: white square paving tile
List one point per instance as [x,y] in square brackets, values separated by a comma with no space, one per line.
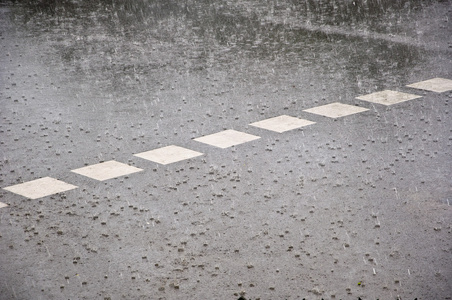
[106,170]
[282,123]
[336,110]
[168,154]
[40,188]
[227,138]
[388,97]
[3,205]
[438,85]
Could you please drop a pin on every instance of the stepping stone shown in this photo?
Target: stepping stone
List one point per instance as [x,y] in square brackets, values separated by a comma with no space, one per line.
[3,205]
[227,138]
[438,85]
[335,110]
[282,123]
[40,188]
[168,155]
[388,97]
[106,170]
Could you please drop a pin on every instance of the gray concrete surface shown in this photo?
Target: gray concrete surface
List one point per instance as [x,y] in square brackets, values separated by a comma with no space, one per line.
[356,206]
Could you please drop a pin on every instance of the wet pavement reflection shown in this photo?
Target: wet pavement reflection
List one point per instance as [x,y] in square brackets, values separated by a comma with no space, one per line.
[115,38]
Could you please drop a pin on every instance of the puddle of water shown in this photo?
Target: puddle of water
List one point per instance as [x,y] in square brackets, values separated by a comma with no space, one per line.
[112,41]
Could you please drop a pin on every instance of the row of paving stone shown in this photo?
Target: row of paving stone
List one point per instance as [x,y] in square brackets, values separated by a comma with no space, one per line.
[111,169]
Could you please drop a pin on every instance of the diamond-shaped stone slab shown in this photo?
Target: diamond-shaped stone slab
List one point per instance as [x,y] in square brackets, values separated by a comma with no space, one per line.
[388,97]
[438,85]
[227,138]
[106,170]
[168,154]
[282,123]
[40,188]
[335,110]
[3,205]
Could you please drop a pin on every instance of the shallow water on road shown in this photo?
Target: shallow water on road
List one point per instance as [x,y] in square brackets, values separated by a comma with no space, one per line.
[117,41]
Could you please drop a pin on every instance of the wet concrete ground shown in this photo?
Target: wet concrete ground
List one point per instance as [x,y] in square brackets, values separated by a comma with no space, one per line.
[348,207]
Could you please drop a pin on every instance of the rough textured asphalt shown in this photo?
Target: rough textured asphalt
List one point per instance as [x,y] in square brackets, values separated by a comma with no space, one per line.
[350,207]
